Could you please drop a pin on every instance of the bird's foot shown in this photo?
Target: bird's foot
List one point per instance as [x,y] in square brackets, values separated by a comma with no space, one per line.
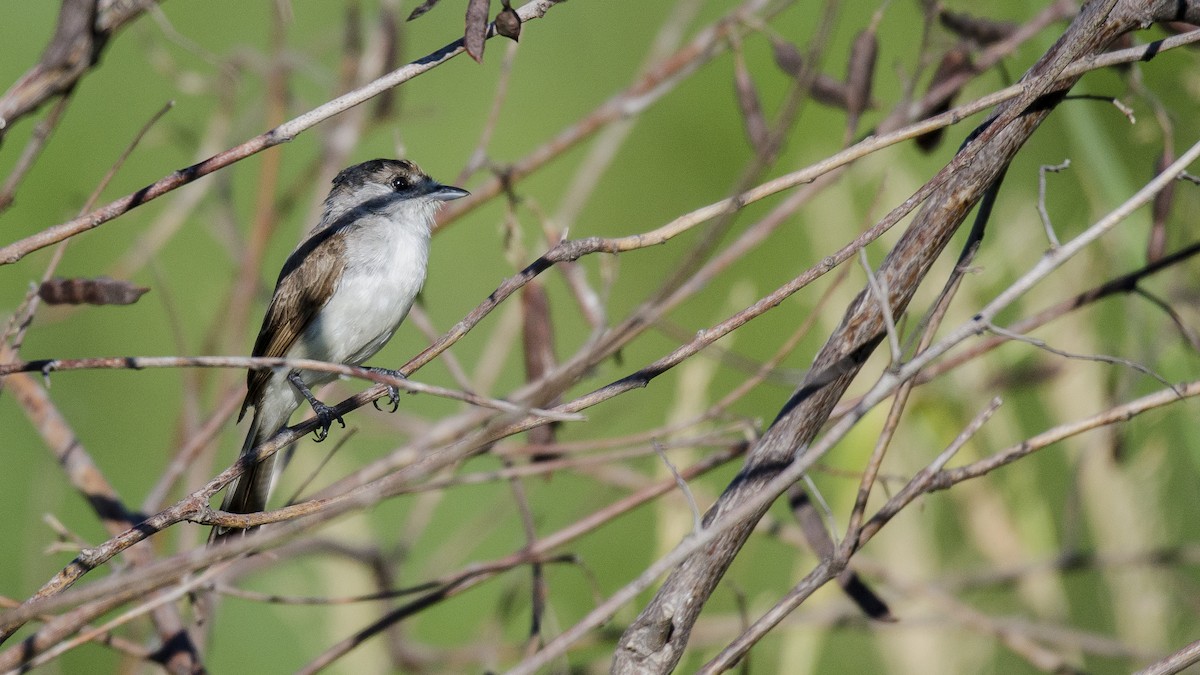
[325,414]
[393,394]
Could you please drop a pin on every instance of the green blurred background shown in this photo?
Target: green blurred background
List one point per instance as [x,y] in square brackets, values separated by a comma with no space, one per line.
[1129,491]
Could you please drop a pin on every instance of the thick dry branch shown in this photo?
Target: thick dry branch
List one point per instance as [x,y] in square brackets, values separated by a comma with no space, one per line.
[835,564]
[655,641]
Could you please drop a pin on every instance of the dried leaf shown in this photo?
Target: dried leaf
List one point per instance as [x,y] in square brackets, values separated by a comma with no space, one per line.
[748,102]
[822,545]
[983,31]
[787,57]
[954,62]
[352,46]
[540,357]
[865,597]
[538,331]
[508,22]
[477,24]
[860,75]
[389,31]
[1025,375]
[422,8]
[98,291]
[824,89]
[1156,247]
[832,93]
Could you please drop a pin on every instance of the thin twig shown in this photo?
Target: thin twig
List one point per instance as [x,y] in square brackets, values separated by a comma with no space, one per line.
[697,520]
[47,366]
[881,296]
[1041,204]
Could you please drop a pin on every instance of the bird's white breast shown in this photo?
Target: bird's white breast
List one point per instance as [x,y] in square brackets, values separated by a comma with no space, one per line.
[384,272]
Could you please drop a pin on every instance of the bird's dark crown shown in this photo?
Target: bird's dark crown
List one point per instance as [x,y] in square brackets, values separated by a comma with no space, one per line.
[399,174]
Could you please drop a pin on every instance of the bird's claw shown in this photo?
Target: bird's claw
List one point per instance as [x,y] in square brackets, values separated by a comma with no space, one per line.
[393,397]
[393,394]
[325,419]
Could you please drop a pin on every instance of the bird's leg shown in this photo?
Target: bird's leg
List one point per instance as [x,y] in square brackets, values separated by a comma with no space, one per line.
[392,392]
[325,414]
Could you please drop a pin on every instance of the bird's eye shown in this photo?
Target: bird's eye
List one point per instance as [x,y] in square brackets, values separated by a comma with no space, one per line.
[401,183]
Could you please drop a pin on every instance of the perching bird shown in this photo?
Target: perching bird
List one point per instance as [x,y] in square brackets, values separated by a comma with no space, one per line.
[339,298]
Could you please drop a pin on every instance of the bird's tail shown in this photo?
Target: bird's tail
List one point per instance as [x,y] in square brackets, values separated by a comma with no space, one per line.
[248,494]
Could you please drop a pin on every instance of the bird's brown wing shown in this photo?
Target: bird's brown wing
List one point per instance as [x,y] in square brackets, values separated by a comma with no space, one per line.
[305,284]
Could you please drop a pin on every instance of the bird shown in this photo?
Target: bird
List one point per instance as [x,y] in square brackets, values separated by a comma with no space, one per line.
[340,297]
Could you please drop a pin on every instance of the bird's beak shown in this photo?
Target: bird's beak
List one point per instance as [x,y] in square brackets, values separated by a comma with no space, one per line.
[446,193]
